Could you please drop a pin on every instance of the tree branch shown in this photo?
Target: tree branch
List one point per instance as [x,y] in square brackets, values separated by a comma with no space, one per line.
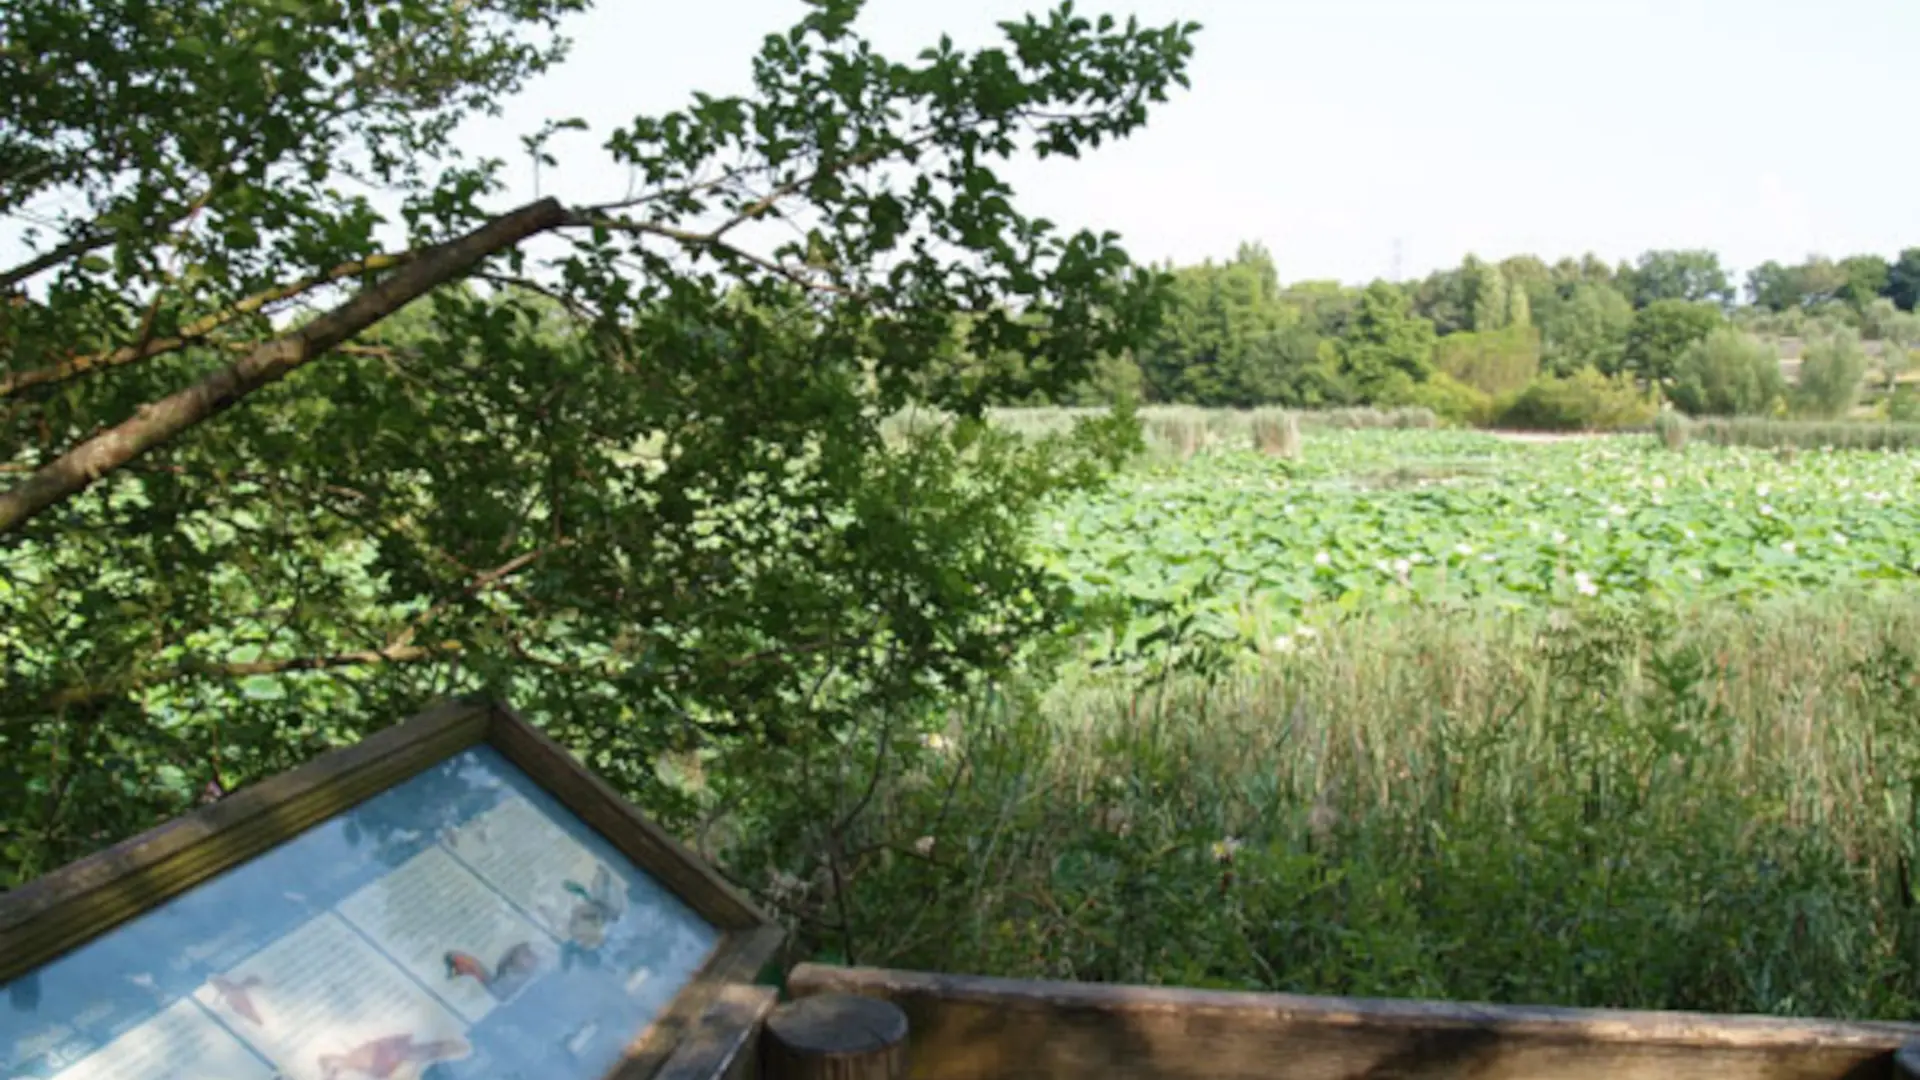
[74,248]
[159,422]
[689,238]
[392,654]
[197,330]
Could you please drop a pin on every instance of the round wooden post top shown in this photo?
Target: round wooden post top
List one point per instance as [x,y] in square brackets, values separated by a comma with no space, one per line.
[837,1037]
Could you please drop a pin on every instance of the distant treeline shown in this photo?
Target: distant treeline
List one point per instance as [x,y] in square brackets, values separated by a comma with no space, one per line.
[1576,343]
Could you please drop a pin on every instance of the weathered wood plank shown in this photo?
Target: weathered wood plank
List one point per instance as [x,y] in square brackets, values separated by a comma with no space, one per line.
[649,846]
[836,1037]
[725,1044]
[737,960]
[47,917]
[970,1028]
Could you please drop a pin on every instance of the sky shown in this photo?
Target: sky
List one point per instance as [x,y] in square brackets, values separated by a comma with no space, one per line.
[1379,138]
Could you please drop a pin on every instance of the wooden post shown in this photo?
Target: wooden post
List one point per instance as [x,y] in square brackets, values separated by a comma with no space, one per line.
[1906,1062]
[837,1037]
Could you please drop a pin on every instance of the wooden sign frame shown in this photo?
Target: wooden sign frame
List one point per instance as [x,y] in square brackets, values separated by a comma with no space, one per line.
[72,906]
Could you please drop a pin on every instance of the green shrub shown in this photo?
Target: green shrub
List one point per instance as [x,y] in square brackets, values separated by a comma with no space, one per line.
[1831,374]
[1493,362]
[1727,373]
[1903,405]
[1452,400]
[1583,401]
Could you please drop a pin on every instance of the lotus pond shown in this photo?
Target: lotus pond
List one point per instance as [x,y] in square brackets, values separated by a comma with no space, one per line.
[1257,552]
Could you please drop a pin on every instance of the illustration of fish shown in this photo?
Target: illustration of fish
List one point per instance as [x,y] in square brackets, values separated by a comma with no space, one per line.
[595,908]
[517,965]
[236,996]
[393,1057]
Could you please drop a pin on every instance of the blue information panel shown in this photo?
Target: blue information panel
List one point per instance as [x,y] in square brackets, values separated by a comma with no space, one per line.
[461,924]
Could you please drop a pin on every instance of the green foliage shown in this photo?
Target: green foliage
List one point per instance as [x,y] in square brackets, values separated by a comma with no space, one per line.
[1494,362]
[1385,349]
[1587,327]
[1903,406]
[1727,373]
[1661,332]
[1864,278]
[1831,374]
[1691,276]
[1474,297]
[1228,338]
[642,489]
[1452,400]
[1583,401]
[1903,280]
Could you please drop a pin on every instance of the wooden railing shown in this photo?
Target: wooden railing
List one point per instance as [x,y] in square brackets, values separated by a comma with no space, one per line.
[969,1028]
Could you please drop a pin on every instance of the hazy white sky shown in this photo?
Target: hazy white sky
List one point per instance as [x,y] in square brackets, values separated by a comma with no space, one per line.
[1330,129]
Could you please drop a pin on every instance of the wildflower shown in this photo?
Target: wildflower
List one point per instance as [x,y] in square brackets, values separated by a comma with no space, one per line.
[936,742]
[1617,510]
[1585,584]
[1840,539]
[1659,482]
[1766,510]
[1321,558]
[1223,849]
[1559,538]
[1696,574]
[1283,643]
[1688,532]
[924,847]
[1401,566]
[1462,550]
[1788,547]
[1488,557]
[1306,632]
[1763,490]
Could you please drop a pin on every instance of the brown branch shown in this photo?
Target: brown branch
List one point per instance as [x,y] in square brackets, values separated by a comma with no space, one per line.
[392,654]
[689,238]
[161,421]
[74,248]
[195,331]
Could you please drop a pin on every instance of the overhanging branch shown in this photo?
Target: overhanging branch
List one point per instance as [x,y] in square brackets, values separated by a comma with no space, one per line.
[197,330]
[161,421]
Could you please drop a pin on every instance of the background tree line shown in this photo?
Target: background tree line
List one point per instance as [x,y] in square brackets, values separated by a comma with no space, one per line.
[1573,343]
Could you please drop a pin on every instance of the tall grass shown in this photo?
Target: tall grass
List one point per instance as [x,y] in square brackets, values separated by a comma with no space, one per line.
[1805,434]
[1184,430]
[1612,810]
